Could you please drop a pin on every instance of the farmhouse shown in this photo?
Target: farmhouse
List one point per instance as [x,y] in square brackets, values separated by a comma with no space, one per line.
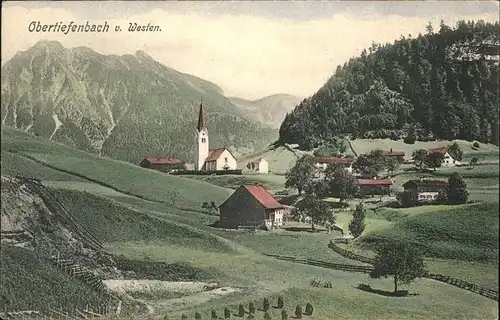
[373,186]
[163,164]
[448,161]
[424,190]
[259,165]
[398,155]
[251,206]
[210,159]
[322,162]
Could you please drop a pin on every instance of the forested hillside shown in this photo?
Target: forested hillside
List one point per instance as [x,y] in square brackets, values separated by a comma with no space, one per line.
[441,85]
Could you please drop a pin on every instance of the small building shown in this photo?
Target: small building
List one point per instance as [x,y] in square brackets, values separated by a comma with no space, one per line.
[448,160]
[163,164]
[322,162]
[424,190]
[219,159]
[259,165]
[373,186]
[251,206]
[398,155]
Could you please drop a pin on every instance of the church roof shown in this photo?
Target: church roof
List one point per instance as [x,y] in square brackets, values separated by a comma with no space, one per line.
[201,119]
[214,154]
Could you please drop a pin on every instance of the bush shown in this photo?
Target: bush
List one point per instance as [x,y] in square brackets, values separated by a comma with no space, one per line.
[214,315]
[280,302]
[184,317]
[298,312]
[284,315]
[266,304]
[241,310]
[197,316]
[251,307]
[309,309]
[165,317]
[475,145]
[267,316]
[227,313]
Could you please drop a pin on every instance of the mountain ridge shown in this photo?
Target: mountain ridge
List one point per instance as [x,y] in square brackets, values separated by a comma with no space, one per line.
[124,106]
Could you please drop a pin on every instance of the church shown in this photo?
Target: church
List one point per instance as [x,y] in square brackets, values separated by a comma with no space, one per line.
[210,159]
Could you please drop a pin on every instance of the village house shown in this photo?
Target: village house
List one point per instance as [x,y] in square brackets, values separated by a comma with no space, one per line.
[259,165]
[424,190]
[373,186]
[398,155]
[163,164]
[251,206]
[448,161]
[322,162]
[210,159]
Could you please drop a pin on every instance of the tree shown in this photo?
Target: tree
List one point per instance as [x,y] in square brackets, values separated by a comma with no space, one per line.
[227,313]
[298,312]
[301,174]
[251,307]
[357,224]
[309,309]
[280,302]
[473,162]
[457,189]
[241,310]
[392,165]
[455,151]
[370,165]
[214,315]
[284,315]
[434,160]
[341,183]
[315,208]
[405,198]
[265,305]
[419,157]
[197,315]
[267,316]
[399,259]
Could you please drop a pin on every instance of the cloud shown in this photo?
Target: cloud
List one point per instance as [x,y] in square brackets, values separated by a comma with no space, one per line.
[248,56]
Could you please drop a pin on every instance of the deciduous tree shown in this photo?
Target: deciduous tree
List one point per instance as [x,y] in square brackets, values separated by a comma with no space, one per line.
[473,162]
[457,189]
[400,260]
[341,184]
[301,174]
[455,151]
[419,157]
[434,160]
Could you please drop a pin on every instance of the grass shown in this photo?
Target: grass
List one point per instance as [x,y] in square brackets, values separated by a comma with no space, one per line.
[270,181]
[467,233]
[27,280]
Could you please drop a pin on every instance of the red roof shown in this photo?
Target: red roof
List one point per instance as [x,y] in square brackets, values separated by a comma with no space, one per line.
[261,194]
[393,153]
[437,150]
[258,160]
[214,154]
[374,182]
[332,160]
[156,160]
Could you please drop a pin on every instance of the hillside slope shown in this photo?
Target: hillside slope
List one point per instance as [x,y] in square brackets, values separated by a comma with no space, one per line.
[269,110]
[125,106]
[441,85]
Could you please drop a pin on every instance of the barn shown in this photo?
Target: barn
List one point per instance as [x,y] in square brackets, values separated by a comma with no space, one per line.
[251,206]
[163,164]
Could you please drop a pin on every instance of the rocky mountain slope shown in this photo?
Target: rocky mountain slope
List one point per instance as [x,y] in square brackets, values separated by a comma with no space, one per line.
[269,110]
[125,106]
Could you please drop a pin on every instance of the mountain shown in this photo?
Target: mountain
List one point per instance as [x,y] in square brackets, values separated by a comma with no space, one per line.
[269,110]
[441,85]
[125,106]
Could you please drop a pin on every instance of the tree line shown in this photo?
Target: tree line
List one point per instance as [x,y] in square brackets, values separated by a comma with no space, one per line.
[440,85]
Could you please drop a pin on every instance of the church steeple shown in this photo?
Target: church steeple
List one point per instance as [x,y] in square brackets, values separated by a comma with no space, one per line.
[201,119]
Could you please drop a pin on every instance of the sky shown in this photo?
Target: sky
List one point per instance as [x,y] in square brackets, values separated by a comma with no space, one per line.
[251,49]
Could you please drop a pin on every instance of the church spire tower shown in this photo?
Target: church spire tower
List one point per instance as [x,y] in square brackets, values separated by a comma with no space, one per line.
[202,149]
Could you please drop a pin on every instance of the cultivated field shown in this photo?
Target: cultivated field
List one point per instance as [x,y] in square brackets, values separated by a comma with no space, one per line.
[135,213]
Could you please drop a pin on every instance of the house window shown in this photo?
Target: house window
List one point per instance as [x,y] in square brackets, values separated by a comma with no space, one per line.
[203,140]
[225,159]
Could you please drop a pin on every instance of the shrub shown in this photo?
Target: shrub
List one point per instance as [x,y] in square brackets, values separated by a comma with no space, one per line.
[476,144]
[251,307]
[165,317]
[309,309]
[197,316]
[241,310]
[267,316]
[227,313]
[184,317]
[214,315]
[298,312]
[266,304]
[280,302]
[284,315]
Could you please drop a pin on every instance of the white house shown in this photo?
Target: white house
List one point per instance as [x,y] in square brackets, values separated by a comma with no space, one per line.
[448,160]
[322,162]
[259,165]
[210,159]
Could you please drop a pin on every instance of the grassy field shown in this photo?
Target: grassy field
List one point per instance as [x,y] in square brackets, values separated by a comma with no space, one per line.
[270,181]
[160,231]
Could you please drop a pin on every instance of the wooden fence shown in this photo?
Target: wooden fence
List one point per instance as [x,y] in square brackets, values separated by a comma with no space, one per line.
[324,264]
[486,292]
